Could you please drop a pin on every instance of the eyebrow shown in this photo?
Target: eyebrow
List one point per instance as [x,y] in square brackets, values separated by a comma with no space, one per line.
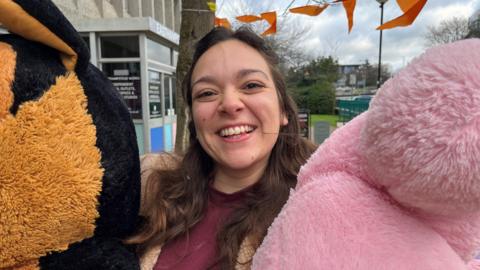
[245,72]
[242,73]
[205,79]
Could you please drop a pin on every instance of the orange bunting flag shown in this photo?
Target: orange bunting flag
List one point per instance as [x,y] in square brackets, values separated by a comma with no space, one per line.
[248,18]
[223,22]
[271,18]
[309,10]
[405,5]
[349,6]
[407,18]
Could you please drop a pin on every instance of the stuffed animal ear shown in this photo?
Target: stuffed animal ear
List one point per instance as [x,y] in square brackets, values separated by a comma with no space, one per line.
[422,138]
[42,21]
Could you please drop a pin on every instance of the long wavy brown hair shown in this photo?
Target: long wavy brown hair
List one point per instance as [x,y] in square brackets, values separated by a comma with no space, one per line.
[177,198]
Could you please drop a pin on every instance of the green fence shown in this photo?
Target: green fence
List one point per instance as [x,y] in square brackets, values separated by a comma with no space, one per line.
[348,109]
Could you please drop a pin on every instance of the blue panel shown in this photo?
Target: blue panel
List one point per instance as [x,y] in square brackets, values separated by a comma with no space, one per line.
[168,137]
[140,138]
[156,139]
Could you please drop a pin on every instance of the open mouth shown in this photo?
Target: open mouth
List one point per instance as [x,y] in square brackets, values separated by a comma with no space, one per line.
[236,130]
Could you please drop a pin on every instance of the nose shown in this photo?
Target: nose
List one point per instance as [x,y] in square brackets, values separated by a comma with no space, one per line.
[231,102]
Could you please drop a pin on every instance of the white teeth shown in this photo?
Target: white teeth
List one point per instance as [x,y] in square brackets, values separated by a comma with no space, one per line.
[235,130]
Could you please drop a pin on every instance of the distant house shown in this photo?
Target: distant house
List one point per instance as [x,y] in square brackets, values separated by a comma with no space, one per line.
[351,76]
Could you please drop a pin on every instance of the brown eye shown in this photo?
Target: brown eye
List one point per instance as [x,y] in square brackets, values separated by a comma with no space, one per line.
[204,94]
[253,85]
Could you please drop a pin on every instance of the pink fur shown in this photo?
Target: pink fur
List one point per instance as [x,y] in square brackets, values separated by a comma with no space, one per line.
[399,186]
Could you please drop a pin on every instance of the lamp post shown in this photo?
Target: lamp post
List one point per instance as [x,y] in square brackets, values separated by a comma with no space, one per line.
[382,3]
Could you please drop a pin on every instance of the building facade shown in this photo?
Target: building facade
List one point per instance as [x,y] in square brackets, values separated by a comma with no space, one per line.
[135,43]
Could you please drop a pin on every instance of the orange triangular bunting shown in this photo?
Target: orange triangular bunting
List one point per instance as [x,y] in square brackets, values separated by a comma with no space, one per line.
[271,18]
[405,5]
[407,18]
[310,10]
[223,22]
[349,6]
[248,18]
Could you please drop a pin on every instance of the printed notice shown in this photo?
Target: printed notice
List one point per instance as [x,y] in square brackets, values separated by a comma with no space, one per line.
[126,78]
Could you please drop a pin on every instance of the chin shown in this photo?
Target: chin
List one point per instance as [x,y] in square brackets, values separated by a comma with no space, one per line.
[240,164]
[243,161]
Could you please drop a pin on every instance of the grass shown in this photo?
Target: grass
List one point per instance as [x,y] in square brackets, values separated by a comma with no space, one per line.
[331,119]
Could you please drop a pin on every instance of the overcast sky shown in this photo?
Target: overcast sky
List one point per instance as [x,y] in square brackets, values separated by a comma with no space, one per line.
[328,32]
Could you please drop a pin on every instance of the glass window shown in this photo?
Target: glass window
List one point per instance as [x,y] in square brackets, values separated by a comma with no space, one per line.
[174,93]
[158,52]
[166,89]
[175,58]
[126,78]
[154,94]
[117,47]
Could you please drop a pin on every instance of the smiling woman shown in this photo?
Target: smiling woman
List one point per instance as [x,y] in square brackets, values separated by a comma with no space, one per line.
[211,208]
[235,112]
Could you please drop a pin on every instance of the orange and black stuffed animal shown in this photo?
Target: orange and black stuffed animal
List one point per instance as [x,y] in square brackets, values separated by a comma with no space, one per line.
[69,165]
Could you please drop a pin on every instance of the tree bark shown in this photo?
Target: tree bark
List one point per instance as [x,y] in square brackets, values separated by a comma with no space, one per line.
[197,21]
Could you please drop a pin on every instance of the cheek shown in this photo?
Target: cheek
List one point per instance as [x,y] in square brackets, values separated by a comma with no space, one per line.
[201,117]
[267,111]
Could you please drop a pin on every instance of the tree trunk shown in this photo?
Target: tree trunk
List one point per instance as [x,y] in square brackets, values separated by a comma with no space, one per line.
[197,21]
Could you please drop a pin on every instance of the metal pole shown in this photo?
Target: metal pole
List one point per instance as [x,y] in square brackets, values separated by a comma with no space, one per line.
[380,49]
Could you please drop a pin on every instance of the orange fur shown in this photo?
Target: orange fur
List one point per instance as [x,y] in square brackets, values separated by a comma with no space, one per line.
[51,174]
[7,72]
[30,265]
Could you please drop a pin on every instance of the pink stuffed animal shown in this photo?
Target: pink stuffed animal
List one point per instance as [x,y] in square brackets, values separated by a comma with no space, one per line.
[398,187]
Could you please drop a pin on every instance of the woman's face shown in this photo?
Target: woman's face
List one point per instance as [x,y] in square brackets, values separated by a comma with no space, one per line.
[235,107]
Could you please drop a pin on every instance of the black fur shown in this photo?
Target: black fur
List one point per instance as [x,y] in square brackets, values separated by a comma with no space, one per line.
[96,254]
[36,68]
[120,200]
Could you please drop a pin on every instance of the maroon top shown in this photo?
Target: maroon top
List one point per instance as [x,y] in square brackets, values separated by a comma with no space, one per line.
[198,251]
